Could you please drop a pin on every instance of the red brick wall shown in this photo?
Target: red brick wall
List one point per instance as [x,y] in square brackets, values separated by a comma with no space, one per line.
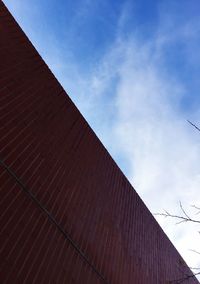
[67,213]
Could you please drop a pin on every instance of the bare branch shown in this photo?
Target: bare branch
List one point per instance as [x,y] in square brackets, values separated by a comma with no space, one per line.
[193,125]
[182,218]
[197,208]
[194,268]
[182,209]
[193,250]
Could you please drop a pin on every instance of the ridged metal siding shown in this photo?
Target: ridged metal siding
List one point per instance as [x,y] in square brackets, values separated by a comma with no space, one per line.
[67,212]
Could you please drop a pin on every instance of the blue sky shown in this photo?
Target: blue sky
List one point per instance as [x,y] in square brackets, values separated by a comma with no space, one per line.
[132,68]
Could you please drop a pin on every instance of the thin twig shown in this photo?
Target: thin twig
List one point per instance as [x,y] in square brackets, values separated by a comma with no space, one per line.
[197,208]
[194,268]
[193,250]
[193,125]
[183,219]
[182,209]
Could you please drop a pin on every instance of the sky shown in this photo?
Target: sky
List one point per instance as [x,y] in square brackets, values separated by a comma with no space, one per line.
[132,68]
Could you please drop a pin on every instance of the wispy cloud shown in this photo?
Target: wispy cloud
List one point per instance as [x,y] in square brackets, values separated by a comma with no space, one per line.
[133,96]
[162,150]
[150,125]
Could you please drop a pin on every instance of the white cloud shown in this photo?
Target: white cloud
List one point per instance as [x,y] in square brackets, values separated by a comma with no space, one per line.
[150,131]
[161,148]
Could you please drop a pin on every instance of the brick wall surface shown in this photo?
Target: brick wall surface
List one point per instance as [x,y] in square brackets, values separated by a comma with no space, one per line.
[67,212]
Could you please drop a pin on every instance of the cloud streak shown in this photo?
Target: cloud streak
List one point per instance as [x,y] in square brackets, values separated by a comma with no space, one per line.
[134,97]
[151,129]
